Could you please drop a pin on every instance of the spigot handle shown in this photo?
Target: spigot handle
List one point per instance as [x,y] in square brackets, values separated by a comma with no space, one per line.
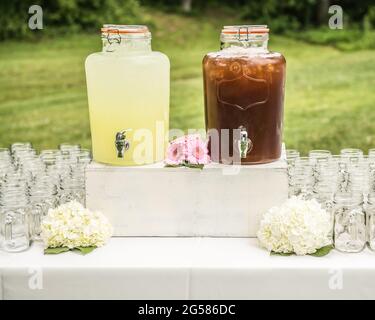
[244,144]
[122,144]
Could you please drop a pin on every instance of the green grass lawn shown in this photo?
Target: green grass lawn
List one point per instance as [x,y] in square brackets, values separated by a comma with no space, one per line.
[330,98]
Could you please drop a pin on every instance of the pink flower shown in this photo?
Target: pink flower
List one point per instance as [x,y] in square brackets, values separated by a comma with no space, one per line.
[197,151]
[187,149]
[175,153]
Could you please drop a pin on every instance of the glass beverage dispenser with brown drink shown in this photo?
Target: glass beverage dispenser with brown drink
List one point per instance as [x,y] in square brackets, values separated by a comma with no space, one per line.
[244,92]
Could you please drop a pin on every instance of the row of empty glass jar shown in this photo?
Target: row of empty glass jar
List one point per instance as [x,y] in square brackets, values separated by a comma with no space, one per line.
[31,184]
[345,186]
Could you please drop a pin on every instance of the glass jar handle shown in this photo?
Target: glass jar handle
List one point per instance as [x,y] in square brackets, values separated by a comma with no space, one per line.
[8,228]
[36,221]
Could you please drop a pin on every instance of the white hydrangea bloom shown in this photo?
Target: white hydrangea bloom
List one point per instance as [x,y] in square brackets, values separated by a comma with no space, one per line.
[71,225]
[299,226]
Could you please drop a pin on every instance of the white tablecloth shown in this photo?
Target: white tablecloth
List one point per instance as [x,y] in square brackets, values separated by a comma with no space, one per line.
[185,268]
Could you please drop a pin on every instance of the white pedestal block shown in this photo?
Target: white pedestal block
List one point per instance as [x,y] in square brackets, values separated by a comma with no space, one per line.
[218,201]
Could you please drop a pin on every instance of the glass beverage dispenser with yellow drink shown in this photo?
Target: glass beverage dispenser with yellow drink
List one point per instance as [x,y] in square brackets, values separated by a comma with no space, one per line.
[128,95]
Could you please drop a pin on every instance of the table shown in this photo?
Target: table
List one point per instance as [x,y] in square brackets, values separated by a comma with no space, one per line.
[185,268]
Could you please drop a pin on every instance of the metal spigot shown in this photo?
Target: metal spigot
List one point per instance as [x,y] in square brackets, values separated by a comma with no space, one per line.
[244,144]
[121,143]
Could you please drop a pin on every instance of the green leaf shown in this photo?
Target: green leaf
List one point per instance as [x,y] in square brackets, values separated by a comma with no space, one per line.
[194,166]
[284,254]
[85,250]
[172,166]
[56,250]
[322,251]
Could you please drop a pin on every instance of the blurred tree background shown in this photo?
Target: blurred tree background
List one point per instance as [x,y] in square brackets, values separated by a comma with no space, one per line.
[85,15]
[64,16]
[330,96]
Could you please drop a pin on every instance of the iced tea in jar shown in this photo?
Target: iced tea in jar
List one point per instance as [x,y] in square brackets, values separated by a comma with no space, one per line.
[244,96]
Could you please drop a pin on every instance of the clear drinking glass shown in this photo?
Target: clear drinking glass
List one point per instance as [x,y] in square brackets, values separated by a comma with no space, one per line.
[347,179]
[42,197]
[292,154]
[301,178]
[350,222]
[371,177]
[323,170]
[68,147]
[5,155]
[371,153]
[5,168]
[38,207]
[14,180]
[51,157]
[31,168]
[21,156]
[351,152]
[370,220]
[71,189]
[323,193]
[18,146]
[14,222]
[320,154]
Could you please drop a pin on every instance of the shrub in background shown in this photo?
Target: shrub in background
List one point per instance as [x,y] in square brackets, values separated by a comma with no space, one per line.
[64,15]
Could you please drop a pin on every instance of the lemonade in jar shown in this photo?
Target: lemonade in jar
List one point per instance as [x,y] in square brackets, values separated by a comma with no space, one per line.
[128,96]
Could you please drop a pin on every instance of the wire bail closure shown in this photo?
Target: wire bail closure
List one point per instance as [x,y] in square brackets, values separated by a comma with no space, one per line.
[246,29]
[113,38]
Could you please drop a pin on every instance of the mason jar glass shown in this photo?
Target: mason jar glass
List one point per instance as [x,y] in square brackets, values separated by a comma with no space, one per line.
[54,166]
[14,222]
[351,152]
[51,157]
[371,153]
[292,154]
[291,157]
[323,170]
[323,193]
[68,147]
[22,156]
[84,157]
[41,200]
[301,178]
[371,178]
[70,153]
[21,146]
[5,155]
[320,154]
[14,180]
[349,222]
[5,168]
[370,220]
[71,188]
[31,168]
[346,179]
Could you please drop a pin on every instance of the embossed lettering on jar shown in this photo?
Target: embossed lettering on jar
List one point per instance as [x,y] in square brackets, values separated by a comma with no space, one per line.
[244,89]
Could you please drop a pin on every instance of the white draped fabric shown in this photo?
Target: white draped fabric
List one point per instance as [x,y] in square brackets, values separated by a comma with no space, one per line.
[185,268]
